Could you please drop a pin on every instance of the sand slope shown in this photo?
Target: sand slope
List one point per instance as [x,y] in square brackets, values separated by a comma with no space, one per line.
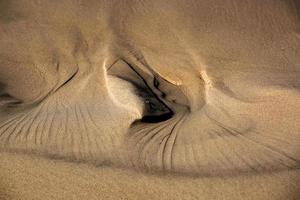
[26,177]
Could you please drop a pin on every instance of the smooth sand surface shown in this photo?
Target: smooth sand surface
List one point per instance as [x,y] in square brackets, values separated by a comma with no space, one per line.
[29,177]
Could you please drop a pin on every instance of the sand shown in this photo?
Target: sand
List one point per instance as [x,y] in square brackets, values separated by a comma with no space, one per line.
[242,57]
[29,177]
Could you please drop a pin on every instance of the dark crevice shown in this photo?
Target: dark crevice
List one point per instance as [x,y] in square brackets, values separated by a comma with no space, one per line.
[151,117]
[156,110]
[157,118]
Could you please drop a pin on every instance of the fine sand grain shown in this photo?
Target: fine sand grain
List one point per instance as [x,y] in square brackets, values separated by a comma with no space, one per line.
[25,177]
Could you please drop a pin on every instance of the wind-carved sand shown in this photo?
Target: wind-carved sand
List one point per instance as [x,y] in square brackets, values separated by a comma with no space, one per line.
[197,89]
